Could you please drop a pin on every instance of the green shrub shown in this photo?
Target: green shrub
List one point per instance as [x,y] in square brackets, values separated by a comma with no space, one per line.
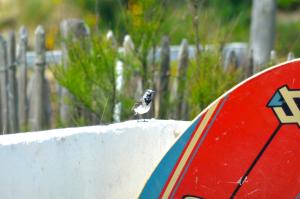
[90,77]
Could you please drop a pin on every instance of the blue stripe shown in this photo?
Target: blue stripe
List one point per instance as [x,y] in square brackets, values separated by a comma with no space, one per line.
[159,177]
[198,146]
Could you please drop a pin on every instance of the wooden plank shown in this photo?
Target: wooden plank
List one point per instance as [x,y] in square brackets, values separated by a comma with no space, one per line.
[22,79]
[3,86]
[12,84]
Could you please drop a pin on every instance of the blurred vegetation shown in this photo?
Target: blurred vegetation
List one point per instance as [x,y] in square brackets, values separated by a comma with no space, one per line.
[233,15]
[288,4]
[207,79]
[146,21]
[143,21]
[209,83]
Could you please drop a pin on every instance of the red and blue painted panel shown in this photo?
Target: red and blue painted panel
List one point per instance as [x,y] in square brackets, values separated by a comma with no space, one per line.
[244,145]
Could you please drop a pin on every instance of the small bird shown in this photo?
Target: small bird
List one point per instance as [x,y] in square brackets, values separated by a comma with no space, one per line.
[144,104]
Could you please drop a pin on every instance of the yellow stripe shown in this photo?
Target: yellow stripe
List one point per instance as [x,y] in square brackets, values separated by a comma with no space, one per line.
[188,151]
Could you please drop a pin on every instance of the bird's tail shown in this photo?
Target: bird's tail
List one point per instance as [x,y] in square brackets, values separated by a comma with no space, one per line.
[134,117]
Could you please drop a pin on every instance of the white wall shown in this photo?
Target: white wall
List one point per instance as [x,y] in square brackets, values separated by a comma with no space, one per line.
[111,161]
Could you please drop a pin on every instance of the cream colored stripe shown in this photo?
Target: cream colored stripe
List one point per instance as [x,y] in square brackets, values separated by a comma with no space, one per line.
[288,97]
[189,150]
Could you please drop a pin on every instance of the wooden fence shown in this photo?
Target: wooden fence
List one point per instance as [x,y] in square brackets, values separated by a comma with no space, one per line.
[25,94]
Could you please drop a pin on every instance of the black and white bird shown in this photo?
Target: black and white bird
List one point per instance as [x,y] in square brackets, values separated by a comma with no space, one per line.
[144,104]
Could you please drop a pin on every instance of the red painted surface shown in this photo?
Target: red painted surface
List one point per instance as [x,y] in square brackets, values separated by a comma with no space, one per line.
[236,137]
[277,174]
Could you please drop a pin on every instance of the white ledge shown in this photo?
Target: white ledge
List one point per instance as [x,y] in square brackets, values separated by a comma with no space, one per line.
[112,161]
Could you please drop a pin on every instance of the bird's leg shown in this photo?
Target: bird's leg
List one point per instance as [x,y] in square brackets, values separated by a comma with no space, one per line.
[144,120]
[139,118]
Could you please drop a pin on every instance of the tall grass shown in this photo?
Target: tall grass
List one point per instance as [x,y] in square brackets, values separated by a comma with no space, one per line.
[207,84]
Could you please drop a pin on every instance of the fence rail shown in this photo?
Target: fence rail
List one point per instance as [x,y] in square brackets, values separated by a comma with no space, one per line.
[54,57]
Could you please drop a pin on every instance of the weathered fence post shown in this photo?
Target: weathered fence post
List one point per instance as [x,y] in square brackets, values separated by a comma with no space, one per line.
[163,91]
[232,61]
[136,79]
[39,71]
[154,81]
[133,86]
[22,86]
[290,56]
[119,86]
[12,84]
[273,57]
[262,34]
[110,37]
[39,89]
[250,67]
[235,56]
[128,45]
[183,59]
[3,86]
[71,30]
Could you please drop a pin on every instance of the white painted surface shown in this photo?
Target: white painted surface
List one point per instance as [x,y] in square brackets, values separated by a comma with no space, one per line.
[111,161]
